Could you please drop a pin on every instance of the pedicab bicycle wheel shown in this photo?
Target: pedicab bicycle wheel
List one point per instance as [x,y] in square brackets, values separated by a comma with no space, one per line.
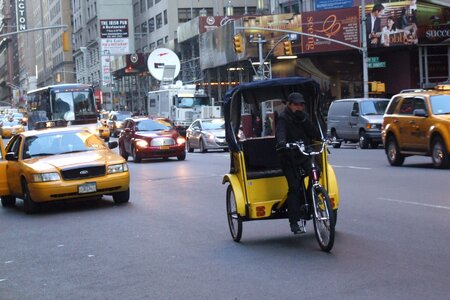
[234,221]
[323,218]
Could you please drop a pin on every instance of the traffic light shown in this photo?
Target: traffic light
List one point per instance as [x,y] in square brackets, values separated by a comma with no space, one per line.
[238,45]
[287,48]
[66,45]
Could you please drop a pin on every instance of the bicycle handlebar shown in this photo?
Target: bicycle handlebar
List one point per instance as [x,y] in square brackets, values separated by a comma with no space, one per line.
[306,150]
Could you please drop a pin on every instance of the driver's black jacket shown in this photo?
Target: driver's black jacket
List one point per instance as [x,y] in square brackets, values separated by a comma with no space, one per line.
[292,127]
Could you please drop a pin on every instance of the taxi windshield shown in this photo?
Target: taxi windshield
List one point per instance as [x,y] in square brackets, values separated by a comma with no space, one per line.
[440,105]
[9,122]
[61,143]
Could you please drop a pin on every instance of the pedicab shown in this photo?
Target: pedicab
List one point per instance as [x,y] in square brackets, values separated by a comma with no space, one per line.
[257,188]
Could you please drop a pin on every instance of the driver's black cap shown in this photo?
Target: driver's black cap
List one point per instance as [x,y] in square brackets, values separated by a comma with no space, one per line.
[295,98]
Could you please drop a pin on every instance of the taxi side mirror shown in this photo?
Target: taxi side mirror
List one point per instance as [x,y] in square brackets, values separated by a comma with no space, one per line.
[112,145]
[10,156]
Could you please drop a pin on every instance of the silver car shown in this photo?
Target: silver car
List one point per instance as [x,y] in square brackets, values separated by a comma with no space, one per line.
[204,134]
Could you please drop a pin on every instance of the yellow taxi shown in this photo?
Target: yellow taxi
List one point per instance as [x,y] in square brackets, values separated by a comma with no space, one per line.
[54,164]
[417,122]
[10,126]
[102,130]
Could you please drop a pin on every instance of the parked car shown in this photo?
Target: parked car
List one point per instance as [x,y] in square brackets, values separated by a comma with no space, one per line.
[59,164]
[115,121]
[205,134]
[147,138]
[418,123]
[356,120]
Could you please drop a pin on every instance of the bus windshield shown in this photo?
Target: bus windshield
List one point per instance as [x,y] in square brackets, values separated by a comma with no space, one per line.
[74,103]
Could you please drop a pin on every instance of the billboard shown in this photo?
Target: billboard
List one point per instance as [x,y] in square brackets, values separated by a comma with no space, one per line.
[21,15]
[340,24]
[391,24]
[434,24]
[114,34]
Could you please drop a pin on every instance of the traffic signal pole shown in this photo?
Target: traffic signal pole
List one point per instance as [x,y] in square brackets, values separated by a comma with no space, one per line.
[32,29]
[363,49]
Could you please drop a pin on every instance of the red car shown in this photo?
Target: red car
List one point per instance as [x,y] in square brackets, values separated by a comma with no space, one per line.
[149,138]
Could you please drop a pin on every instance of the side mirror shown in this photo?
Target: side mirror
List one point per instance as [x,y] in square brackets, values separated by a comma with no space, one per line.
[112,145]
[420,113]
[10,156]
[355,113]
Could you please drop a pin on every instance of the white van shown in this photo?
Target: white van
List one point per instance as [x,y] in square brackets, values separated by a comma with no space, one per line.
[356,120]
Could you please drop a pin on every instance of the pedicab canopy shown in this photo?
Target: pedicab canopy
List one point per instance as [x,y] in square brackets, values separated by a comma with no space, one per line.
[254,93]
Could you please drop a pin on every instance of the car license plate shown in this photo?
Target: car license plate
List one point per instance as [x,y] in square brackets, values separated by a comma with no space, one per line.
[89,187]
[164,147]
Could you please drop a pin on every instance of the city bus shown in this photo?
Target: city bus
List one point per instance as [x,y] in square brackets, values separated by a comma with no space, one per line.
[74,103]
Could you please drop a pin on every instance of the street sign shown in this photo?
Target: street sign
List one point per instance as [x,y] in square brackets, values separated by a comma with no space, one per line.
[374,65]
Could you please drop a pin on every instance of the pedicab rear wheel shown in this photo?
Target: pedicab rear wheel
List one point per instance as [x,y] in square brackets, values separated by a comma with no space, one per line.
[324,220]
[234,220]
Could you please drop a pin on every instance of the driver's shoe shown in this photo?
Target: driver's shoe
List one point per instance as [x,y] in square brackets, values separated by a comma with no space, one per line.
[295,228]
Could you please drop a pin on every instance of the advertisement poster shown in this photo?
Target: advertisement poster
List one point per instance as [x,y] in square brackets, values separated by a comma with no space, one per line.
[391,24]
[434,24]
[114,35]
[339,24]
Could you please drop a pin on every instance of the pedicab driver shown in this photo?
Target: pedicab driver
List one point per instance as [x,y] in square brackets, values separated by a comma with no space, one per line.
[294,125]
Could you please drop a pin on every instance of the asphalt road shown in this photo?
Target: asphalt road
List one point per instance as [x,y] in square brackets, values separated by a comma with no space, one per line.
[172,240]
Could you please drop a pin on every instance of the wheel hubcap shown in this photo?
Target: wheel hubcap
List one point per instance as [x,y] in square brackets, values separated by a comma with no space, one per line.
[392,151]
[438,153]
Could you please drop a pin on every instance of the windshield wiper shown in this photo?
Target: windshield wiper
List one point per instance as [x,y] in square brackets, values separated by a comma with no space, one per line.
[75,151]
[42,154]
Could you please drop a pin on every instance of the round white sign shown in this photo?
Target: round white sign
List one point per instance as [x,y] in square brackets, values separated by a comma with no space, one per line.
[161,59]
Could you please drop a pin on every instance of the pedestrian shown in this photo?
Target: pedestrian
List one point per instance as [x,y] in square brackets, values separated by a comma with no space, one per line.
[293,125]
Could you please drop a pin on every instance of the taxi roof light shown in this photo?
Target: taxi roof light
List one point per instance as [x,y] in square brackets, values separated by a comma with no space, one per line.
[50,124]
[443,87]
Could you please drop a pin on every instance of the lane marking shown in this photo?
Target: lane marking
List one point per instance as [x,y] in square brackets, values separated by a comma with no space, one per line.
[186,178]
[414,203]
[2,279]
[351,167]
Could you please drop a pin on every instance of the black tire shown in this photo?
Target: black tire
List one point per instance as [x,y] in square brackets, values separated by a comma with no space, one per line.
[202,146]
[234,220]
[393,152]
[334,140]
[323,217]
[439,154]
[363,141]
[188,147]
[123,153]
[121,197]
[29,205]
[8,201]
[182,156]
[106,139]
[136,157]
[335,216]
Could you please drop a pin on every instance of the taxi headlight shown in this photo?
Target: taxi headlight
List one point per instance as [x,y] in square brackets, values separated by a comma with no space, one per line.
[181,140]
[141,143]
[43,177]
[118,168]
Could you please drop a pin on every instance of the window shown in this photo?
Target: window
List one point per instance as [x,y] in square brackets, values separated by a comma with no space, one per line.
[158,21]
[149,3]
[151,25]
[142,5]
[159,42]
[407,106]
[165,17]
[144,27]
[166,39]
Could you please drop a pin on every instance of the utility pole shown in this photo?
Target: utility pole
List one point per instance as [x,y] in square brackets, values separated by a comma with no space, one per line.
[364,50]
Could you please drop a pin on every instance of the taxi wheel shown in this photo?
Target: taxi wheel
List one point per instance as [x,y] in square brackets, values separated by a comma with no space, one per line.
[182,156]
[121,197]
[136,157]
[393,152]
[29,205]
[8,201]
[439,155]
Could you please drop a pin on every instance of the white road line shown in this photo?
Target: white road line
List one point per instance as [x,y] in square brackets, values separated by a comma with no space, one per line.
[351,167]
[2,279]
[414,203]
